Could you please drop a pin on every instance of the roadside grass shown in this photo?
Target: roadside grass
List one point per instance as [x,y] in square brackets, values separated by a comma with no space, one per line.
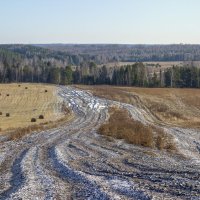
[27,102]
[179,107]
[18,133]
[121,126]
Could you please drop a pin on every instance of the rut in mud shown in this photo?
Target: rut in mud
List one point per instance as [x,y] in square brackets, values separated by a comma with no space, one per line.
[74,162]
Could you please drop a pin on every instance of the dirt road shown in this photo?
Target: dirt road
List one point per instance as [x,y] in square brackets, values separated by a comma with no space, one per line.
[74,162]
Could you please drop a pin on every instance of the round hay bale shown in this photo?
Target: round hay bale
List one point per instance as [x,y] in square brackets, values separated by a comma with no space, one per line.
[41,116]
[7,114]
[33,120]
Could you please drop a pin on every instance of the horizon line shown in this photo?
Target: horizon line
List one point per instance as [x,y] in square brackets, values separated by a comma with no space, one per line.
[60,43]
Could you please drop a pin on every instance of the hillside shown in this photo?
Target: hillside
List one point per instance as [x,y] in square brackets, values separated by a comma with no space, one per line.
[109,150]
[105,53]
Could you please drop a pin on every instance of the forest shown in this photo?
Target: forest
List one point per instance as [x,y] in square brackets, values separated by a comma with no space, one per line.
[28,63]
[138,75]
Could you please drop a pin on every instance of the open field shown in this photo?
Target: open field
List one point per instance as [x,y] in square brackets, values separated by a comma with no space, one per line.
[26,101]
[162,64]
[73,161]
[175,106]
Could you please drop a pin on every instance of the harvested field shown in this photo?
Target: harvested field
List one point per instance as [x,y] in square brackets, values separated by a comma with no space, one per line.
[162,64]
[26,102]
[168,105]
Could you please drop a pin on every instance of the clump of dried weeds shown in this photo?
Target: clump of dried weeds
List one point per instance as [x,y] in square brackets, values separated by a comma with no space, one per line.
[121,126]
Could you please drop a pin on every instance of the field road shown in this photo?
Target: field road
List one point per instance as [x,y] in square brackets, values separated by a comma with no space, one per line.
[74,162]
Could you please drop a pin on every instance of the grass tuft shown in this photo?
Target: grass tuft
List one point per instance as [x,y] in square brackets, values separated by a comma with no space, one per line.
[122,126]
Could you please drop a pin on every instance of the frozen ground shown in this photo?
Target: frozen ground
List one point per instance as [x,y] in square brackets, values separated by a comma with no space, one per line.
[74,162]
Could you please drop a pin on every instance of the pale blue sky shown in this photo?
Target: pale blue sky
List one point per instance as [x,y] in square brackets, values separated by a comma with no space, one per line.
[100,21]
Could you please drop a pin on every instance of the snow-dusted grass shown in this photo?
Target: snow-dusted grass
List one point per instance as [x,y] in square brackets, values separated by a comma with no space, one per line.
[169,105]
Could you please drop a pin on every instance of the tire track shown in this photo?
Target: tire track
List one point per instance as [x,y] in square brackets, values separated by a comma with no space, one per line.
[74,162]
[17,179]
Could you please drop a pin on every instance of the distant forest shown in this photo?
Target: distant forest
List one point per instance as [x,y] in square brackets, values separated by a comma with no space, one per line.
[79,64]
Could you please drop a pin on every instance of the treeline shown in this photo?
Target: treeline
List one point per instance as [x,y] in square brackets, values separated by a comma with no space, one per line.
[45,74]
[138,75]
[24,63]
[88,73]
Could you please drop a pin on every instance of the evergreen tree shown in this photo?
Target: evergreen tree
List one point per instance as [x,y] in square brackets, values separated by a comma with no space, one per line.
[54,76]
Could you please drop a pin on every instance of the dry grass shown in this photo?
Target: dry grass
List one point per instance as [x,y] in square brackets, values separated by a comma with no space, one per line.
[18,133]
[25,104]
[175,106]
[122,126]
[163,140]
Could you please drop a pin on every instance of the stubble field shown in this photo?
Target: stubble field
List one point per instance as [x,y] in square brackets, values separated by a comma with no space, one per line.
[22,102]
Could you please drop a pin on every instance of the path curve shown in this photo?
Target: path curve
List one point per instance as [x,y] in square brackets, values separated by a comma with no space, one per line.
[74,162]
